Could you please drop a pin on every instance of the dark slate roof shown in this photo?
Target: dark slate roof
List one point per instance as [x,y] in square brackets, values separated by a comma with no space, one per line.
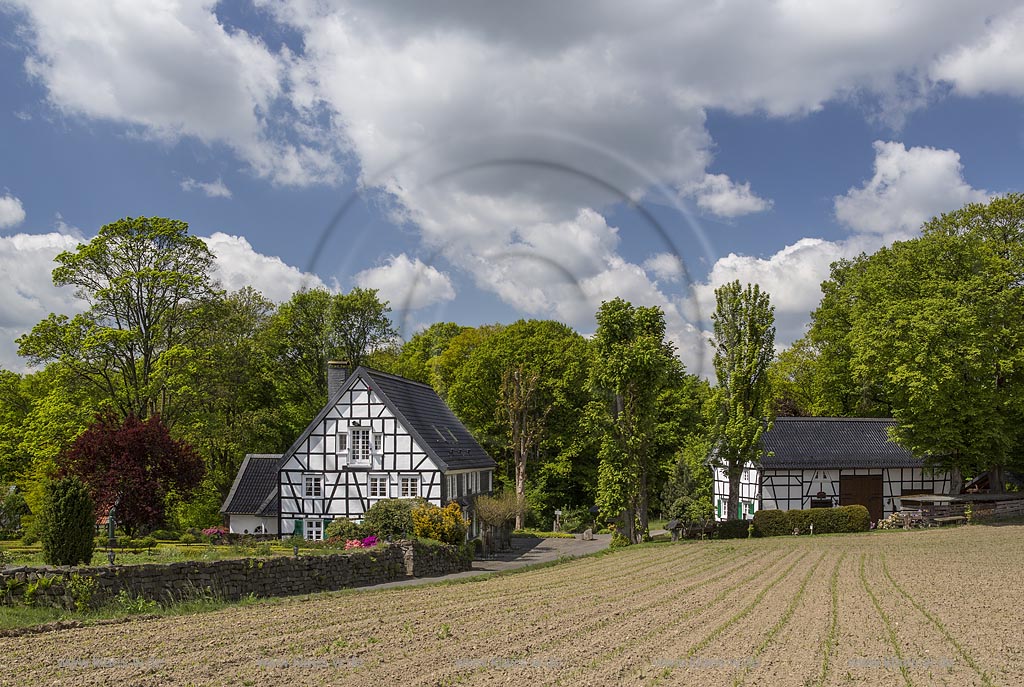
[431,422]
[833,442]
[256,479]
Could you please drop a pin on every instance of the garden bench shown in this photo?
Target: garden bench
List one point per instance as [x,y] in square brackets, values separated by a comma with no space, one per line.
[951,520]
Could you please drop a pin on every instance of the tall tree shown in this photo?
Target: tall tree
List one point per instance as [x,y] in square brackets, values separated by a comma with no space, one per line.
[137,277]
[631,361]
[934,323]
[134,464]
[419,355]
[316,326]
[744,343]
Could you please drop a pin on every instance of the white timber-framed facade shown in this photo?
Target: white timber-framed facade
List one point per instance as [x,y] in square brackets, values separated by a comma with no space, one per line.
[827,462]
[379,436]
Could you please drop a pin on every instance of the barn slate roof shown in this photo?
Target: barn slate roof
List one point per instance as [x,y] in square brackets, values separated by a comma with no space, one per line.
[833,442]
[256,478]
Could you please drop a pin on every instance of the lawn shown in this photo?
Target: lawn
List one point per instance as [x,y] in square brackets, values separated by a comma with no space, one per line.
[922,607]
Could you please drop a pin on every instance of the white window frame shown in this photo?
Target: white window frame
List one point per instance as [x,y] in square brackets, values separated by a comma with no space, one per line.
[360,449]
[342,443]
[403,481]
[313,530]
[315,493]
[378,443]
[378,479]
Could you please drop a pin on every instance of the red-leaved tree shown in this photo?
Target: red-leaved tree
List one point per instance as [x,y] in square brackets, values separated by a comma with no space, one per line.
[135,464]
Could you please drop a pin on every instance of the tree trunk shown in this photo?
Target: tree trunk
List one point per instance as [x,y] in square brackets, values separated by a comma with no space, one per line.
[520,458]
[642,514]
[732,508]
[996,479]
[956,481]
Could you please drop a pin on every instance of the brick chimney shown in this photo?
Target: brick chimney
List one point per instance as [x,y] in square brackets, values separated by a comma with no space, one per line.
[337,373]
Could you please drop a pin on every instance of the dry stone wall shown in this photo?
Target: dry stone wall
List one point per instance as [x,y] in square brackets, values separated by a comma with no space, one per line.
[65,587]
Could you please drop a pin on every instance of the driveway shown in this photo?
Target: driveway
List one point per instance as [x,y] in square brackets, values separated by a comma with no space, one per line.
[525,551]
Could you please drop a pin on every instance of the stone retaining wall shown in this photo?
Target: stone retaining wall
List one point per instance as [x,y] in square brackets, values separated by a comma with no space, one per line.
[229,579]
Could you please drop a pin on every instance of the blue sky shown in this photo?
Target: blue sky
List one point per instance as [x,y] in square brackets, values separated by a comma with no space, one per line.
[499,164]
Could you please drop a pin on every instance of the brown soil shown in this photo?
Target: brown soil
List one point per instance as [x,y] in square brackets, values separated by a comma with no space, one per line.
[708,613]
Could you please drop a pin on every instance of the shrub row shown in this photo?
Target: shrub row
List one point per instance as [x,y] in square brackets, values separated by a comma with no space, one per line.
[773,523]
[732,529]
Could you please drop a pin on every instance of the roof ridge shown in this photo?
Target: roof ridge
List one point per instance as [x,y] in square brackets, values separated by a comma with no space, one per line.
[373,372]
[835,418]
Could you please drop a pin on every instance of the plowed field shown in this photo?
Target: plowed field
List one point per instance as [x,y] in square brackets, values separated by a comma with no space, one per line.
[907,608]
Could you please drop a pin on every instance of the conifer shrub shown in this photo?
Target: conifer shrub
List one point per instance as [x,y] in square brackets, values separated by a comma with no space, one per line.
[67,522]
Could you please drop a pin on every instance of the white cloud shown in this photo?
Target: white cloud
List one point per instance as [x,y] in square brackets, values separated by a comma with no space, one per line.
[11,212]
[171,69]
[993,63]
[719,195]
[407,284]
[665,267]
[908,187]
[238,265]
[26,264]
[213,189]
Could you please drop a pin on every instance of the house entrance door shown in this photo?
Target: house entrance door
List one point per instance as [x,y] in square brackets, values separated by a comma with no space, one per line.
[865,490]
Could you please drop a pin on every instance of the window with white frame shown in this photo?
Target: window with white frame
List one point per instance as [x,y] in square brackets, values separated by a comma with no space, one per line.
[312,486]
[359,451]
[342,442]
[408,486]
[378,486]
[378,442]
[313,530]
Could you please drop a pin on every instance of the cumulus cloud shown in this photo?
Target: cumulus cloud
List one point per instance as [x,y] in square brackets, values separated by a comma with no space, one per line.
[407,284]
[665,267]
[908,187]
[212,189]
[238,265]
[11,212]
[993,63]
[719,195]
[171,70]
[26,263]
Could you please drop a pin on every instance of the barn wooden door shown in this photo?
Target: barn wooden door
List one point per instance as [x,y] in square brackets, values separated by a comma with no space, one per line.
[865,490]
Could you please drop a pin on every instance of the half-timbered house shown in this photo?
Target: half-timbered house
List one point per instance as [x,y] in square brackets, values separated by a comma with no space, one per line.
[821,462]
[379,436]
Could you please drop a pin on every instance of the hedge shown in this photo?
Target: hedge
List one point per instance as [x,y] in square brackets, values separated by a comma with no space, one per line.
[732,529]
[773,523]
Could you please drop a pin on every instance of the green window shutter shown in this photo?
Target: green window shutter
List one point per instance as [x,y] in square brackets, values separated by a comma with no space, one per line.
[297,530]
[718,509]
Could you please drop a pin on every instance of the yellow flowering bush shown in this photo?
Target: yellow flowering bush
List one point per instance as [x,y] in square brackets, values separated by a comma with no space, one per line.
[443,524]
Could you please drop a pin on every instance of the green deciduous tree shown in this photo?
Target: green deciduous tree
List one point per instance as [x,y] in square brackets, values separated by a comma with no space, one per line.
[631,366]
[934,324]
[67,521]
[137,278]
[744,343]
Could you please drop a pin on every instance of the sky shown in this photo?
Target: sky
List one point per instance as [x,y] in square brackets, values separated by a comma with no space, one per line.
[483,162]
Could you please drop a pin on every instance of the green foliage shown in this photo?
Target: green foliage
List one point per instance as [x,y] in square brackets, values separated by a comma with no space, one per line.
[139,276]
[165,535]
[744,343]
[498,510]
[12,507]
[619,540]
[632,365]
[188,538]
[344,529]
[82,588]
[443,524]
[419,355]
[773,523]
[391,519]
[67,522]
[732,529]
[125,602]
[199,511]
[32,588]
[924,327]
[576,519]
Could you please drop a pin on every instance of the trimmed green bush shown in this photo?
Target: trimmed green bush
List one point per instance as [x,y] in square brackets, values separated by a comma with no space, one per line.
[345,529]
[773,523]
[732,529]
[67,522]
[391,519]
